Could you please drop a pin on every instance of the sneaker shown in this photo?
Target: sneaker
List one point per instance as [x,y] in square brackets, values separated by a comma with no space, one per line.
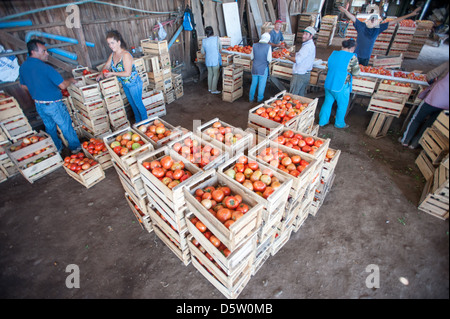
[346,126]
[76,151]
[216,92]
[412,147]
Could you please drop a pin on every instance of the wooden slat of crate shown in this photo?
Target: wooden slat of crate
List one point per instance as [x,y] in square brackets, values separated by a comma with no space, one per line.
[97,125]
[127,162]
[388,61]
[229,84]
[215,277]
[88,178]
[388,105]
[379,125]
[16,127]
[243,227]
[441,181]
[157,111]
[134,187]
[435,144]
[281,240]
[232,96]
[435,205]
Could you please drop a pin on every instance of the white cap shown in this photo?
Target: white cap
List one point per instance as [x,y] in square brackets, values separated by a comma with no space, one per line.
[265,38]
[310,30]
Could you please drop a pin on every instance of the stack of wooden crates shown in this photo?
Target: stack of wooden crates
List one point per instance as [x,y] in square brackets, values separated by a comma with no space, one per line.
[421,35]
[158,65]
[402,38]
[327,30]
[232,83]
[433,162]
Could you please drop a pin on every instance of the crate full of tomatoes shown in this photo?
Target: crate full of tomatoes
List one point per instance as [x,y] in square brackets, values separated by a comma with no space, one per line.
[228,138]
[198,151]
[125,146]
[96,149]
[86,171]
[157,131]
[164,174]
[223,207]
[35,156]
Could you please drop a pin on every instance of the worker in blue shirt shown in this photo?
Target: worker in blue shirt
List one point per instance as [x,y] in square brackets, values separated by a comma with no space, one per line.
[369,30]
[44,84]
[276,36]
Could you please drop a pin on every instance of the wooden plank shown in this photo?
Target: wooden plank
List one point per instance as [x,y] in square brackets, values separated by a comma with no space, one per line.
[232,22]
[210,15]
[256,15]
[220,19]
[271,10]
[197,12]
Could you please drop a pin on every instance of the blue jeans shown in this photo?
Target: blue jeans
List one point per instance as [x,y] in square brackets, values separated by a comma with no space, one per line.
[342,98]
[259,81]
[56,114]
[133,91]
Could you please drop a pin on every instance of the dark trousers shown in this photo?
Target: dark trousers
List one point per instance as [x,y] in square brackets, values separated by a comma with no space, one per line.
[423,118]
[364,62]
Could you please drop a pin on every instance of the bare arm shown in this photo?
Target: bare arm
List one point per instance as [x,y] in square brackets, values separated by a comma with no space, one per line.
[127,65]
[412,14]
[105,67]
[66,83]
[350,16]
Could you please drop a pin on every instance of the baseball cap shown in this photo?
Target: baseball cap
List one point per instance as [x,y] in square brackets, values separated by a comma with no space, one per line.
[278,21]
[310,30]
[265,38]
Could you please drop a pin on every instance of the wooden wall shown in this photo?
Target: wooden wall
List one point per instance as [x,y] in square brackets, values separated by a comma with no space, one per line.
[96,19]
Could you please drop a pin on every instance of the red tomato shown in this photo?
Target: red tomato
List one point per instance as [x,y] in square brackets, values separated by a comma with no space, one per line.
[167,162]
[309,141]
[146,165]
[218,195]
[215,241]
[178,173]
[158,172]
[226,190]
[200,226]
[239,177]
[259,186]
[242,208]
[231,202]
[223,214]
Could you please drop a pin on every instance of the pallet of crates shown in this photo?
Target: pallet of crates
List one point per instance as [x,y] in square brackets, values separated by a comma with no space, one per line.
[143,219]
[226,137]
[198,151]
[435,196]
[157,131]
[84,170]
[166,194]
[35,156]
[233,246]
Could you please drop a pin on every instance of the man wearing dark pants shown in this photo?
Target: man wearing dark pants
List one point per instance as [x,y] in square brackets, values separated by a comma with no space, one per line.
[44,84]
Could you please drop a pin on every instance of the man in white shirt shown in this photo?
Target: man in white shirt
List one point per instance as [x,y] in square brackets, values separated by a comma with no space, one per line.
[304,60]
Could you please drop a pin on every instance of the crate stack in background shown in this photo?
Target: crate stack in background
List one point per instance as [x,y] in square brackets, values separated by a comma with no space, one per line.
[232,83]
[114,102]
[433,162]
[383,41]
[327,30]
[402,37]
[304,21]
[419,39]
[13,122]
[177,81]
[158,67]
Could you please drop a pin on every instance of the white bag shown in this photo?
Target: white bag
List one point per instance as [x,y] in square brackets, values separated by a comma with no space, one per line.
[9,67]
[161,32]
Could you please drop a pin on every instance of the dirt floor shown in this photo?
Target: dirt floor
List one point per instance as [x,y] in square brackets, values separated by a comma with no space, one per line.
[369,219]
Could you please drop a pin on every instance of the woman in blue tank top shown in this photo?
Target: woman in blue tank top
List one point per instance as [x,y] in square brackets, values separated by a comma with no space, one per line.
[120,63]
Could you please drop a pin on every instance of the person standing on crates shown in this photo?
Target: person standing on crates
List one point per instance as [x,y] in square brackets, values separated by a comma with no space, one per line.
[44,84]
[261,56]
[342,65]
[434,100]
[211,48]
[369,30]
[276,36]
[120,62]
[303,63]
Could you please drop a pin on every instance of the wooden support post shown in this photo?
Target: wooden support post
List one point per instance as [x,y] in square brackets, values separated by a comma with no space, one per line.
[81,48]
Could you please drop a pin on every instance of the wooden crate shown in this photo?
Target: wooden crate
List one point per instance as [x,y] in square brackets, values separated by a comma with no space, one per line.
[179,92]
[9,107]
[442,123]
[243,61]
[183,255]
[299,183]
[379,125]
[154,47]
[134,187]
[230,85]
[176,133]
[233,71]
[441,181]
[386,104]
[97,125]
[227,59]
[109,86]
[233,95]
[220,158]
[84,93]
[246,226]
[270,204]
[143,219]
[113,101]
[435,144]
[127,162]
[229,285]
[281,70]
[232,149]
[425,165]
[153,99]
[200,57]
[118,117]
[388,61]
[281,238]
[364,85]
[91,109]
[16,127]
[434,204]
[140,65]
[89,177]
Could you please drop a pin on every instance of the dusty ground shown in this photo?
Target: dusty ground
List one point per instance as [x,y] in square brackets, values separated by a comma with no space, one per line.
[370,217]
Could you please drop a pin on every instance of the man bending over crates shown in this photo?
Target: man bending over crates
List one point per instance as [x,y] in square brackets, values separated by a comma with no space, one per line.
[44,84]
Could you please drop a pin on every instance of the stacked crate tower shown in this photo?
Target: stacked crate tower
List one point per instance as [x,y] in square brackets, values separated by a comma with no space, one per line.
[402,38]
[327,30]
[421,35]
[232,83]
